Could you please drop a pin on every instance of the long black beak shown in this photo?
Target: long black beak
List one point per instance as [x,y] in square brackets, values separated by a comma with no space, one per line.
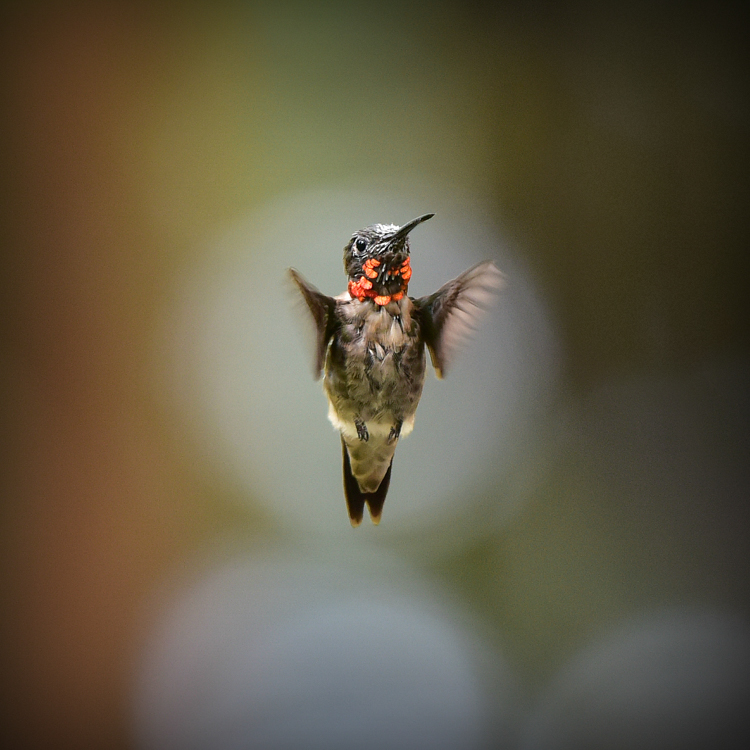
[404,230]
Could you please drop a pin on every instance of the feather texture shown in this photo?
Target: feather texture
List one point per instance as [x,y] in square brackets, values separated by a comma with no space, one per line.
[356,498]
[322,308]
[450,315]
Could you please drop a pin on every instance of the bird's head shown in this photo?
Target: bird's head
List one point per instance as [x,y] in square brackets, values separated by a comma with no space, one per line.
[376,261]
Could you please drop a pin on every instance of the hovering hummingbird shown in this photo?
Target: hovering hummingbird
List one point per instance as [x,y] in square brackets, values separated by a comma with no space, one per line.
[371,341]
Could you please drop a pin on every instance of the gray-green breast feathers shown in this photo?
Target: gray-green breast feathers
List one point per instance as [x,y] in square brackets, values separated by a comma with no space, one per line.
[449,316]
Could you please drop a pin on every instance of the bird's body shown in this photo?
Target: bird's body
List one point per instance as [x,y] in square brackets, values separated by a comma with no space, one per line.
[371,345]
[373,379]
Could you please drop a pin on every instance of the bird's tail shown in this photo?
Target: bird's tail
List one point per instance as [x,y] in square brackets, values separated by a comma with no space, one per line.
[356,498]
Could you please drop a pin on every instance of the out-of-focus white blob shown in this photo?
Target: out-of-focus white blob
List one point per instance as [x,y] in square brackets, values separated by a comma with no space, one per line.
[239,352]
[285,652]
[674,679]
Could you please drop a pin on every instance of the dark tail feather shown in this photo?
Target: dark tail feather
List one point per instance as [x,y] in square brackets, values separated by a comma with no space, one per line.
[355,498]
[376,499]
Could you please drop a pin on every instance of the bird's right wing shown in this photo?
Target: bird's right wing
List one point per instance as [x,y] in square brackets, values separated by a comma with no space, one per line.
[322,309]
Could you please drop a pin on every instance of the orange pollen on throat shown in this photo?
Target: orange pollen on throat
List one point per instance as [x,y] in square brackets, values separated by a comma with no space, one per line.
[369,267]
[361,289]
[405,270]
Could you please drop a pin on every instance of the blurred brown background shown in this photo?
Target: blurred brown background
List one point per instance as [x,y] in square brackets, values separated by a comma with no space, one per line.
[610,139]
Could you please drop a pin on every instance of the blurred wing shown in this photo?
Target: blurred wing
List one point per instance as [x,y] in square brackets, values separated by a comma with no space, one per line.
[322,310]
[450,315]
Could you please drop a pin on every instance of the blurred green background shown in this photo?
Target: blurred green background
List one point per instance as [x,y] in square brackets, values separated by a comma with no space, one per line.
[610,140]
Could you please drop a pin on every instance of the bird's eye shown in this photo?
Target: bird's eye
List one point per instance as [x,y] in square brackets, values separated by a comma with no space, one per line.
[361,245]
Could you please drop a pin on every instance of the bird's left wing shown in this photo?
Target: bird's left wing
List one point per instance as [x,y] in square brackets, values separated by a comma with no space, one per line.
[322,309]
[450,315]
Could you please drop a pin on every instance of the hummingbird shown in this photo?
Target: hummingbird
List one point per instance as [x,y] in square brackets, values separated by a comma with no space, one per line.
[370,346]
